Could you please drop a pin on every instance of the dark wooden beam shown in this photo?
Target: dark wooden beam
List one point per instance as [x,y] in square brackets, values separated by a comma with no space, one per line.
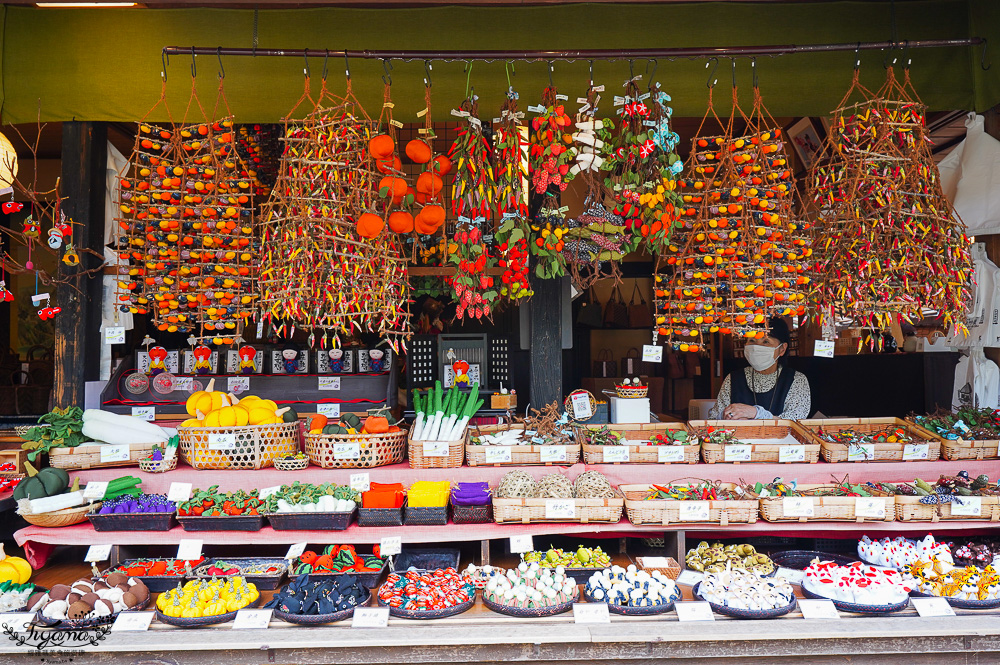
[77,334]
[546,342]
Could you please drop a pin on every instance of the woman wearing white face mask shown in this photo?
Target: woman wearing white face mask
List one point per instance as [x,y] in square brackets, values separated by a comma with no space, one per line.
[765,389]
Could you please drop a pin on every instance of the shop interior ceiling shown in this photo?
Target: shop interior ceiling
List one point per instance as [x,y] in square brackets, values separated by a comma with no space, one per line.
[105,64]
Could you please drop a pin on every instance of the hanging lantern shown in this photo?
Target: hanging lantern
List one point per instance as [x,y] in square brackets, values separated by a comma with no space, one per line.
[8,165]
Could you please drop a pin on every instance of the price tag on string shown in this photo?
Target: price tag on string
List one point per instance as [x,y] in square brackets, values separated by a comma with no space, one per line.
[818,609]
[329,383]
[115,453]
[669,454]
[238,384]
[791,454]
[114,335]
[738,453]
[969,506]
[915,451]
[823,348]
[19,622]
[581,406]
[538,440]
[698,610]
[616,454]
[295,551]
[865,506]
[521,544]
[328,410]
[132,622]
[390,545]
[791,575]
[694,511]
[179,492]
[690,577]
[95,489]
[552,453]
[436,448]
[560,509]
[221,441]
[252,619]
[798,506]
[860,452]
[652,353]
[189,549]
[97,553]
[932,607]
[591,613]
[498,454]
[370,617]
[360,482]
[144,412]
[350,450]
[268,491]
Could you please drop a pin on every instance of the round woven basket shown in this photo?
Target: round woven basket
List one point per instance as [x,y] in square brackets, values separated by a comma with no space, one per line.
[844,606]
[82,624]
[196,622]
[429,614]
[376,449]
[628,610]
[631,392]
[568,403]
[529,612]
[158,466]
[291,464]
[319,619]
[800,559]
[962,603]
[64,517]
[736,613]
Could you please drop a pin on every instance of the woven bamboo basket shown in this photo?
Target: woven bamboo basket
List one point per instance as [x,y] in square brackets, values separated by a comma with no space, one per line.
[665,511]
[961,449]
[883,452]
[825,508]
[89,456]
[532,511]
[755,429]
[420,460]
[294,464]
[64,517]
[638,453]
[375,449]
[909,509]
[475,455]
[159,466]
[250,447]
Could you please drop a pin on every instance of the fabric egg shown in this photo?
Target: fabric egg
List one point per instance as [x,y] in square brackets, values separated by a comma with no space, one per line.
[59,592]
[78,610]
[114,579]
[55,609]
[37,601]
[140,591]
[129,600]
[103,608]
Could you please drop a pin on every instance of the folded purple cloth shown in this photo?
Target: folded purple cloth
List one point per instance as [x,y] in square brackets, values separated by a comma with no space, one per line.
[471,494]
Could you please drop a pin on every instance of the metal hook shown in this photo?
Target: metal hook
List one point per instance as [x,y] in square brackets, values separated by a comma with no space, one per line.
[222,70]
[651,74]
[164,60]
[427,73]
[888,52]
[347,66]
[857,57]
[194,69]
[734,72]
[711,75]
[305,56]
[386,67]
[591,64]
[982,59]
[551,69]
[753,68]
[906,55]
[326,58]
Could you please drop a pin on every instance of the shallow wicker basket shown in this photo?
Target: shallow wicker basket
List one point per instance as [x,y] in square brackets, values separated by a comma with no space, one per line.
[64,517]
[883,452]
[475,455]
[530,510]
[631,392]
[638,453]
[158,466]
[961,449]
[420,460]
[250,447]
[642,511]
[89,456]
[375,449]
[755,429]
[294,464]
[825,508]
[909,509]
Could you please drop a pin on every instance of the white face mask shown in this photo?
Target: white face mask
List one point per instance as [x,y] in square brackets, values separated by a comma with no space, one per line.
[760,357]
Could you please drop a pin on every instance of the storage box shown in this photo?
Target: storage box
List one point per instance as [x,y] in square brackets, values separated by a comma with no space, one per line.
[500,401]
[635,410]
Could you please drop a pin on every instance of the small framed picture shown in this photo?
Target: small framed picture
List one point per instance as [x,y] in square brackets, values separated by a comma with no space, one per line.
[806,140]
[284,361]
[254,365]
[162,361]
[201,363]
[334,361]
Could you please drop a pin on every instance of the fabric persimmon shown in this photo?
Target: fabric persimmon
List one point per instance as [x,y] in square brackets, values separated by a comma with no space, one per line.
[370,225]
[381,146]
[401,221]
[376,425]
[388,164]
[394,188]
[433,214]
[418,151]
[429,183]
[441,165]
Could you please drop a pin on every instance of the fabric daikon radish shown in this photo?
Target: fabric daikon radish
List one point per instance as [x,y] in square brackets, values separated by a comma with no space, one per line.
[58,502]
[115,428]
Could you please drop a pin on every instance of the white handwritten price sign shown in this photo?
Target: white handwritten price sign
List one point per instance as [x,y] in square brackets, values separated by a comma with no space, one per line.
[114,335]
[328,410]
[652,353]
[798,506]
[252,619]
[17,621]
[791,454]
[560,509]
[498,454]
[552,453]
[390,545]
[591,613]
[791,575]
[915,451]
[189,549]
[132,622]
[96,553]
[824,349]
[295,551]
[144,412]
[615,454]
[818,609]
[221,441]
[238,384]
[969,506]
[360,482]
[436,448]
[521,544]
[860,452]
[179,492]
[329,383]
[694,511]
[694,611]
[932,607]
[867,506]
[738,453]
[95,489]
[370,617]
[119,453]
[690,577]
[349,450]
[665,454]
[268,491]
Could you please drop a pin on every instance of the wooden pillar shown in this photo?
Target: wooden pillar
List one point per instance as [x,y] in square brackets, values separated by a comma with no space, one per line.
[77,333]
[546,342]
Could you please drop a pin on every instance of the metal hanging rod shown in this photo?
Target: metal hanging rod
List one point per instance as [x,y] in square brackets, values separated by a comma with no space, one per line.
[582,54]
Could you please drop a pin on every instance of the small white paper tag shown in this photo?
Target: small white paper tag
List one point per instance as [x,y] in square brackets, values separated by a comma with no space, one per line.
[690,577]
[670,453]
[328,383]
[295,550]
[652,353]
[390,545]
[252,619]
[144,412]
[798,506]
[932,607]
[823,348]
[238,384]
[179,492]
[114,335]
[182,383]
[328,410]
[360,482]
[581,406]
[189,549]
[498,454]
[971,506]
[694,511]
[698,610]
[791,575]
[552,454]
[119,453]
[95,489]
[521,544]
[221,441]
[560,509]
[861,452]
[350,450]
[591,613]
[100,552]
[818,609]
[915,451]
[792,453]
[132,622]
[869,506]
[436,448]
[370,617]
[19,621]
[615,454]
[268,491]
[738,453]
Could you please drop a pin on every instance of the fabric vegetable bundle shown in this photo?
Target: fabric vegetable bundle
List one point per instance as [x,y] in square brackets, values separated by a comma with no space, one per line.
[429,494]
[309,597]
[444,417]
[383,495]
[338,559]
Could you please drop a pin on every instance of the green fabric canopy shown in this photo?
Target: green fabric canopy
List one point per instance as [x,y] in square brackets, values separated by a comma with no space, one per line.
[104,64]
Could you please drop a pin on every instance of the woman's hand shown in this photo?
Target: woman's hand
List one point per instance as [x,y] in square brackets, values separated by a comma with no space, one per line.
[740,412]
